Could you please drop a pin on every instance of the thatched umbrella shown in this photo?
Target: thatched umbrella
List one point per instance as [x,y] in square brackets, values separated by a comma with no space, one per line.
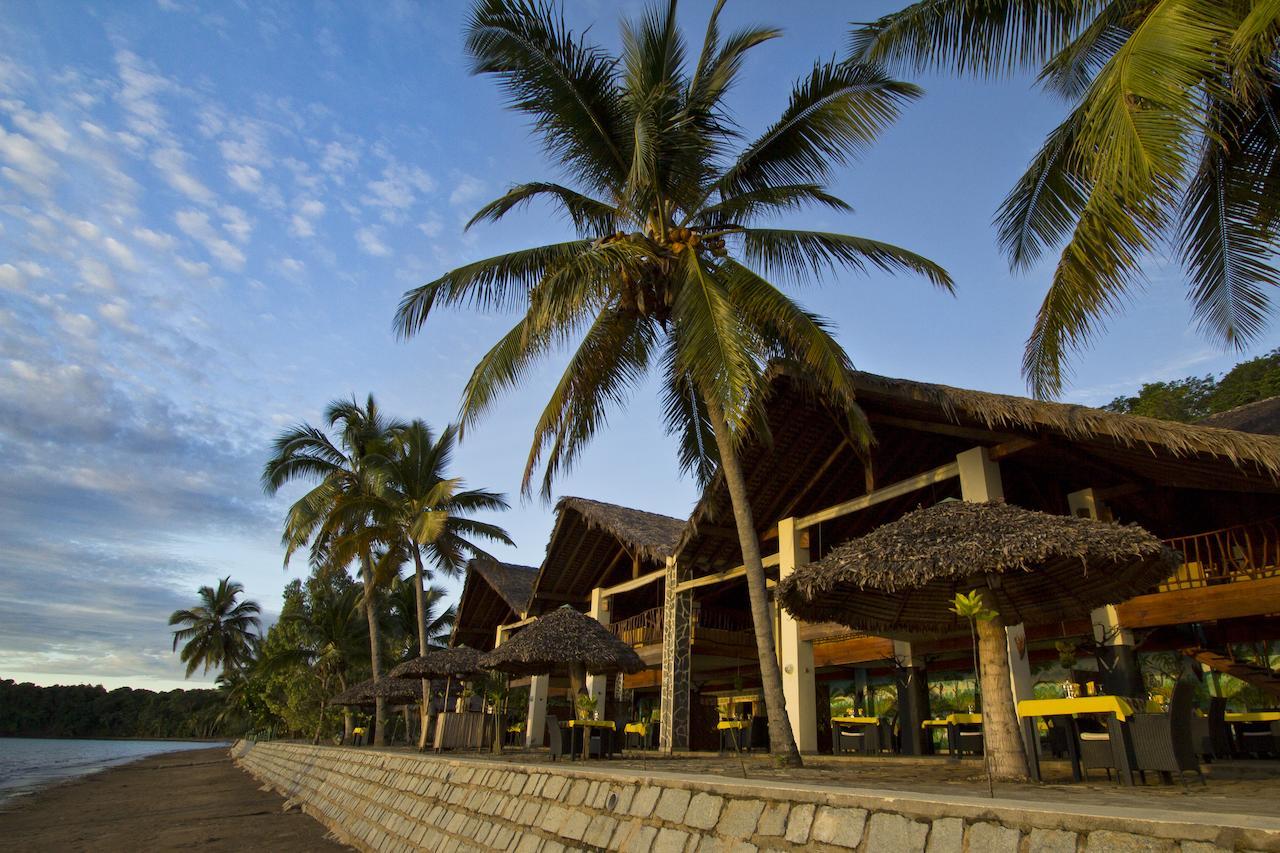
[901,580]
[458,662]
[564,639]
[356,694]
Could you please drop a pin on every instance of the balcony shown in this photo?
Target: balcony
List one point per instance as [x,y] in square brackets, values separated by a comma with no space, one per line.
[1246,552]
[727,627]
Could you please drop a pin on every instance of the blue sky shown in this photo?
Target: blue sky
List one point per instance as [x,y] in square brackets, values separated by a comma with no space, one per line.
[208,213]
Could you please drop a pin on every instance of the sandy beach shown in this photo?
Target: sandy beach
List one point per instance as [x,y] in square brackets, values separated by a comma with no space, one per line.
[166,802]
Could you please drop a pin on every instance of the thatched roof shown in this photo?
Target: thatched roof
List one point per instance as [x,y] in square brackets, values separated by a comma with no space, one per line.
[459,661]
[650,535]
[511,581]
[397,689]
[806,464]
[594,543]
[356,694]
[1261,417]
[901,579]
[493,594]
[563,637]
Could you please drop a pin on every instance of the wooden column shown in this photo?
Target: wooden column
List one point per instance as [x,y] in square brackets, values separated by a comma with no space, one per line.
[535,730]
[597,684]
[1117,654]
[913,698]
[796,654]
[677,662]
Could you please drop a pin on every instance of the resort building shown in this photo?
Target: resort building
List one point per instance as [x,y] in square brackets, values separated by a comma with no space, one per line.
[676,591]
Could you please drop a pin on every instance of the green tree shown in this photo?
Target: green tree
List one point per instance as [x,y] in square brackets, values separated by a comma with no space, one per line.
[1172,135]
[218,632]
[437,619]
[674,262]
[346,470]
[1183,400]
[1247,382]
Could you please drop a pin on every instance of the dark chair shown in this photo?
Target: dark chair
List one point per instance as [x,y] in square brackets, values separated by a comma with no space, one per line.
[863,739]
[617,737]
[1263,740]
[969,739]
[1095,752]
[553,738]
[1165,743]
[1219,731]
[759,736]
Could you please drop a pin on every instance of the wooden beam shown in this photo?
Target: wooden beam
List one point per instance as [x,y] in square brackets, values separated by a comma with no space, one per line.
[634,583]
[861,649]
[1008,448]
[969,433]
[904,487]
[727,575]
[1202,604]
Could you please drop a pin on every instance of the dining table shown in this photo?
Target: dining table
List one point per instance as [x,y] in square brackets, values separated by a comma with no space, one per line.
[1065,712]
[582,729]
[952,723]
[856,723]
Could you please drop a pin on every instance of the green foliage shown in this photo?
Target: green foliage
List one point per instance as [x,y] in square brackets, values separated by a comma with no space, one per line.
[1195,397]
[220,631]
[1171,136]
[587,705]
[92,711]
[673,270]
[972,607]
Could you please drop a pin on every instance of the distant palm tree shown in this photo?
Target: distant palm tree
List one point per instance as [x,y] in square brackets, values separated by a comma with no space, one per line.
[220,631]
[438,619]
[1173,133]
[344,468]
[672,262]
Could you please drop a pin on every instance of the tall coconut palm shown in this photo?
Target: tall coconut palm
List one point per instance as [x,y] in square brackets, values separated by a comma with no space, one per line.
[438,618]
[345,468]
[674,259]
[1173,135]
[220,631]
[422,514]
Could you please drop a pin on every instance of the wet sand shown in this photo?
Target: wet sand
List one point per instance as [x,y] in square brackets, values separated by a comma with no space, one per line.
[181,800]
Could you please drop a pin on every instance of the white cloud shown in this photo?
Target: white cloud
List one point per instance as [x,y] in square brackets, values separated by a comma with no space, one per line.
[466,190]
[116,313]
[11,278]
[246,177]
[154,239]
[370,241]
[292,267]
[302,223]
[85,230]
[338,158]
[195,224]
[236,223]
[137,95]
[192,269]
[25,155]
[431,226]
[45,128]
[96,274]
[120,253]
[172,163]
[77,325]
[398,189]
[33,270]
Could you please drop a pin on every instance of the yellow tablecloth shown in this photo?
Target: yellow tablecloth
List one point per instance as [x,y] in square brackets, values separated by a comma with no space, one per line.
[865,721]
[954,720]
[589,724]
[732,724]
[641,729]
[1080,705]
[1253,717]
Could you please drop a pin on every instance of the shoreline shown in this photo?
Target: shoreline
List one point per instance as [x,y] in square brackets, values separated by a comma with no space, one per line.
[213,740]
[174,800]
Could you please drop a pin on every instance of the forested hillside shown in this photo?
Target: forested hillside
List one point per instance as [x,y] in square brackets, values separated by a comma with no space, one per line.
[93,711]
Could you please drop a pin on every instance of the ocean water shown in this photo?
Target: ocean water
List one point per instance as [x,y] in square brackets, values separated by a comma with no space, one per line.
[27,764]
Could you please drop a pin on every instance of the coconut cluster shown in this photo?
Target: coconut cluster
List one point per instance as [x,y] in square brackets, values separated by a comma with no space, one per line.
[682,238]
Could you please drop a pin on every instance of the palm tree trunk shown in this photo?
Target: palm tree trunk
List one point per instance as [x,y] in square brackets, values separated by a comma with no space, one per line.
[421,600]
[320,725]
[782,743]
[1001,739]
[375,649]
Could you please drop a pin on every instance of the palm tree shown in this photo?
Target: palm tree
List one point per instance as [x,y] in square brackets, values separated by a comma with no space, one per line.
[672,261]
[421,513]
[437,619]
[1173,134]
[346,470]
[220,631]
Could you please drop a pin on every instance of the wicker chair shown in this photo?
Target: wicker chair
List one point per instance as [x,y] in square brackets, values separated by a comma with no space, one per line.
[1219,731]
[553,738]
[1164,743]
[1262,741]
[1095,752]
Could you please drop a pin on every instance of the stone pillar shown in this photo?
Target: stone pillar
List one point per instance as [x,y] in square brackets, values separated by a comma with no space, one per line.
[913,698]
[796,655]
[980,481]
[677,660]
[535,731]
[597,685]
[1118,666]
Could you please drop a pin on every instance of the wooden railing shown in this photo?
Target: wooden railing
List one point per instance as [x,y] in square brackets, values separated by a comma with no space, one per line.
[1243,552]
[645,628]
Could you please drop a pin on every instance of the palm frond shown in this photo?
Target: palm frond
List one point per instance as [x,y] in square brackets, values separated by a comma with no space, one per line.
[796,255]
[590,217]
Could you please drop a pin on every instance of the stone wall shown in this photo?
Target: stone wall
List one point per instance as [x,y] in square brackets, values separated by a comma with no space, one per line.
[386,801]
